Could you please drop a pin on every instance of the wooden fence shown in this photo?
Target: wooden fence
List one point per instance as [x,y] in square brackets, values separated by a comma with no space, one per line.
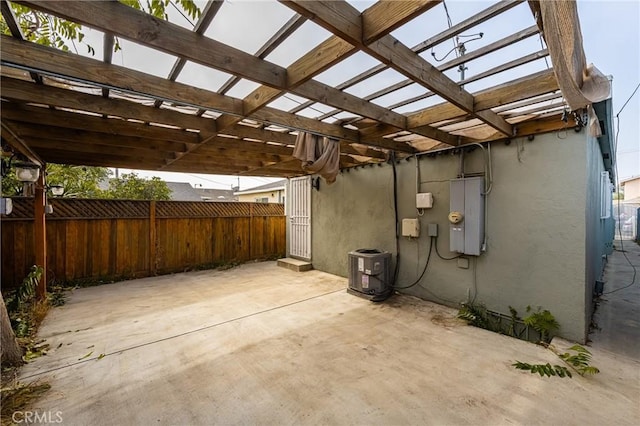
[113,239]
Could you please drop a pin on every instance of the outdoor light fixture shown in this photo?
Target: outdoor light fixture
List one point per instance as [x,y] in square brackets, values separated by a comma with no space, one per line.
[27,172]
[315,183]
[56,190]
[6,206]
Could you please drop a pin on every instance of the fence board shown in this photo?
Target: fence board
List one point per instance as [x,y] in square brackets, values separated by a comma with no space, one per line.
[114,239]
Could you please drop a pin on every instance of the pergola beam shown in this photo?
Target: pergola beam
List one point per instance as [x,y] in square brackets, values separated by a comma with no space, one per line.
[533,85]
[143,28]
[42,142]
[22,91]
[11,136]
[343,20]
[540,83]
[88,137]
[15,30]
[474,20]
[113,127]
[75,67]
[490,48]
[208,13]
[283,33]
[328,53]
[47,59]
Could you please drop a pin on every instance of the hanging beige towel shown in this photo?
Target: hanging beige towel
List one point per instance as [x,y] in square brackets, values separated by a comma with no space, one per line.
[318,155]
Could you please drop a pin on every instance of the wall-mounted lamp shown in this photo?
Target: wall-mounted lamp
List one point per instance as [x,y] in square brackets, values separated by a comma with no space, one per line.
[315,183]
[6,206]
[27,172]
[56,190]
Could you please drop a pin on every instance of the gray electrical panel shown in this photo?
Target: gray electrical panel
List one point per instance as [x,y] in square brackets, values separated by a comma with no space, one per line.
[466,217]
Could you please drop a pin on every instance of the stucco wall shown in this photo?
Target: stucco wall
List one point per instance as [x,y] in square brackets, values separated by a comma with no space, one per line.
[536,227]
[600,231]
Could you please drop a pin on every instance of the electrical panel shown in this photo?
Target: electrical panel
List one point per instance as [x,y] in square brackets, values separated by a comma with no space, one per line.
[410,228]
[466,217]
[424,200]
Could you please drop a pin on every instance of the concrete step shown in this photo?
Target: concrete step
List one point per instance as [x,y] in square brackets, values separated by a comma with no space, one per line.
[295,264]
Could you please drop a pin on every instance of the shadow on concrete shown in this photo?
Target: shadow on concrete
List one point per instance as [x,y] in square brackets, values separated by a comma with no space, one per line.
[617,316]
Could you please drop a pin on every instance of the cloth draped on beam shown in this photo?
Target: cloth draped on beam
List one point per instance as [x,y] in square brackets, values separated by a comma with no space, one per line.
[580,84]
[318,155]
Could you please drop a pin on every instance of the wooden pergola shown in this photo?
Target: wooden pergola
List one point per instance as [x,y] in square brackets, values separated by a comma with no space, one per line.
[66,108]
[61,107]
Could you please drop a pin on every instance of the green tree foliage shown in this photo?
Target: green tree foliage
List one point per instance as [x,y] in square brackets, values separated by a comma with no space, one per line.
[52,31]
[78,181]
[132,187]
[46,29]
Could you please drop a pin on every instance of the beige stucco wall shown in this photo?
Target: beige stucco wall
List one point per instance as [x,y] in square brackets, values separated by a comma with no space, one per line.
[632,189]
[276,196]
[536,227]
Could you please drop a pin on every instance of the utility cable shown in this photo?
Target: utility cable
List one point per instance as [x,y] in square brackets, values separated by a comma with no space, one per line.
[442,257]
[475,280]
[389,292]
[424,270]
[395,208]
[625,104]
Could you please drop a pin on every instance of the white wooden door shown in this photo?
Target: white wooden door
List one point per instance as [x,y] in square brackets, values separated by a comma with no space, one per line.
[300,217]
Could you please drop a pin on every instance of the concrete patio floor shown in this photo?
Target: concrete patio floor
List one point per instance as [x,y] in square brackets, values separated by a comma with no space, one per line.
[259,344]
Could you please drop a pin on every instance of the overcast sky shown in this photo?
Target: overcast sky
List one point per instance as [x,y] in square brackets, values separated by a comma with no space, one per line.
[611,31]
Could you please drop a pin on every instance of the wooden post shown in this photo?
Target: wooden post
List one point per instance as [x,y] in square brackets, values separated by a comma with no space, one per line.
[40,233]
[152,238]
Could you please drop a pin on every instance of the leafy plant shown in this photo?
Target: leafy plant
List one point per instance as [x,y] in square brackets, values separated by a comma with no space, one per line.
[511,329]
[542,321]
[27,289]
[579,362]
[544,369]
[475,315]
[56,296]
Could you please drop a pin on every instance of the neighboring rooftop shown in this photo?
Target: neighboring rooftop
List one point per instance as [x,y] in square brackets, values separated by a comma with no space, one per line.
[211,194]
[183,191]
[629,179]
[273,186]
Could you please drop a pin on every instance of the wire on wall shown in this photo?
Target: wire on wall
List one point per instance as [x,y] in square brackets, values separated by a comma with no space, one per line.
[420,211]
[392,158]
[424,270]
[441,256]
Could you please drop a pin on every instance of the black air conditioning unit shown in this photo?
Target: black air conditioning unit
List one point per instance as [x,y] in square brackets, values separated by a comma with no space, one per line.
[370,274]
